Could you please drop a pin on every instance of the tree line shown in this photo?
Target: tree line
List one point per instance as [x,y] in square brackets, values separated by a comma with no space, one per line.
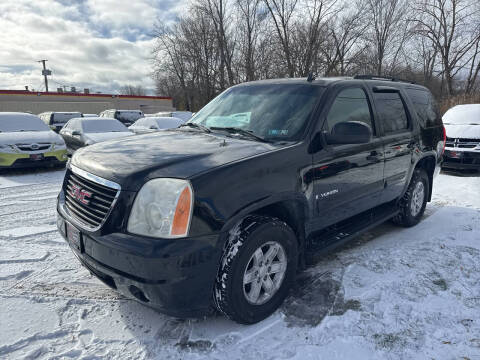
[219,43]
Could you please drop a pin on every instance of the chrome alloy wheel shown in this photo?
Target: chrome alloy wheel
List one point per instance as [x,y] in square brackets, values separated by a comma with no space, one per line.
[418,196]
[264,273]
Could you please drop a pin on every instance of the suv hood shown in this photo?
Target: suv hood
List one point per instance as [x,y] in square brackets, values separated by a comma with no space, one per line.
[180,154]
[29,137]
[463,131]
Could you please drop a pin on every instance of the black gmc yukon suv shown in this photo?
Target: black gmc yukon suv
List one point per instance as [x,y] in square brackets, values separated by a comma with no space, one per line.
[223,210]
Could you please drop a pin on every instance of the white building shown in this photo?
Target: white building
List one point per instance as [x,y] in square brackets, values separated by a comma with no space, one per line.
[38,102]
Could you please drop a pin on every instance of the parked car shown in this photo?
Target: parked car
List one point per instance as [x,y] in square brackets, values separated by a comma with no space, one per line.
[462,123]
[184,115]
[152,124]
[80,132]
[90,115]
[27,141]
[56,120]
[267,177]
[127,117]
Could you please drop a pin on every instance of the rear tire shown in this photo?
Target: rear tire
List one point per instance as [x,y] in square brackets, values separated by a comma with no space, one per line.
[412,204]
[252,280]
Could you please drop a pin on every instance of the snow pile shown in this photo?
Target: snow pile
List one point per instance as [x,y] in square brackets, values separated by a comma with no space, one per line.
[392,293]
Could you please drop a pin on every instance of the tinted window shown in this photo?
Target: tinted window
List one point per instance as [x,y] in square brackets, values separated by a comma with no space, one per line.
[350,105]
[62,118]
[425,106]
[391,111]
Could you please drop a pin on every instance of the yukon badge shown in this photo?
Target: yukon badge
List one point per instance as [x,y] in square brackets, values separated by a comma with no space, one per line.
[326,194]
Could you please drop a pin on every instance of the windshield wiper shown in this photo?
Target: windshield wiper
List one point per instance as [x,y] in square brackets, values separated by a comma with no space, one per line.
[240,131]
[196,126]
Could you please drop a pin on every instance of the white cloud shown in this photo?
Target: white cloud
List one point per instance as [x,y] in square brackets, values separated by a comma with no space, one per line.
[99,44]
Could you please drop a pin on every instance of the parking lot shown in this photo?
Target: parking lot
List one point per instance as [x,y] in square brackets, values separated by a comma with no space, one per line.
[392,293]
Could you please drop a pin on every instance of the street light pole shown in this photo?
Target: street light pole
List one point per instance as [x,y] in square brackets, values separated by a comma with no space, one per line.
[45,72]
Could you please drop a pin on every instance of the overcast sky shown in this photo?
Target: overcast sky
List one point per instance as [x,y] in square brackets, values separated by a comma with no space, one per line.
[96,44]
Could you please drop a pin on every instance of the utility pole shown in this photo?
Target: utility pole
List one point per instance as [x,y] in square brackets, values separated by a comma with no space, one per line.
[45,72]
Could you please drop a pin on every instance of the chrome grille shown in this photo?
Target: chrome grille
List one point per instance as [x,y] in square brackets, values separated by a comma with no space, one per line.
[462,143]
[91,210]
[33,147]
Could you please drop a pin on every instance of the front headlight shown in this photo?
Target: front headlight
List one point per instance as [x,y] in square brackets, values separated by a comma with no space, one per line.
[7,148]
[162,208]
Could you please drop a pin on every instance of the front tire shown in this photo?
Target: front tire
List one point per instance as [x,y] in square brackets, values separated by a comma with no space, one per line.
[257,269]
[412,204]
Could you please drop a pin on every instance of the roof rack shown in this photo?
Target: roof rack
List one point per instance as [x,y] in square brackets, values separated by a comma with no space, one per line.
[377,77]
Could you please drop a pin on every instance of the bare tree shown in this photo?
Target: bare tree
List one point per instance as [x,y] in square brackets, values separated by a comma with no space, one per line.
[219,43]
[345,34]
[250,23]
[138,90]
[452,26]
[282,12]
[217,11]
[388,29]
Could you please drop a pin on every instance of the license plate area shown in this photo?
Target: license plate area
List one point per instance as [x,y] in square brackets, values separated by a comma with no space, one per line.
[36,157]
[74,237]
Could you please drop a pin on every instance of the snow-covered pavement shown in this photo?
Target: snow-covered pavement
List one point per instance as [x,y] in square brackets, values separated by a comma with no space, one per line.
[392,293]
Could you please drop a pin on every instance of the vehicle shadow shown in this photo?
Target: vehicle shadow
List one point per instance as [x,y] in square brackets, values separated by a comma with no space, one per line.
[324,290]
[317,293]
[461,173]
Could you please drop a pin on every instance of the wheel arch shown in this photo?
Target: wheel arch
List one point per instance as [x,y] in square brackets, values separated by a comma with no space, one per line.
[293,210]
[428,163]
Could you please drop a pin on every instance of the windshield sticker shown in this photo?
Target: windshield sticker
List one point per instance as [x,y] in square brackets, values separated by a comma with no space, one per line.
[241,120]
[278,132]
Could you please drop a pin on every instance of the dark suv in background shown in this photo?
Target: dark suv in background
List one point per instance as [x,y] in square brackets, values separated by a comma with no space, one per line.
[223,210]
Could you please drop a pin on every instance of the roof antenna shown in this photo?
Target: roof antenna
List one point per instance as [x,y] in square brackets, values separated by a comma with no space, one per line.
[310,76]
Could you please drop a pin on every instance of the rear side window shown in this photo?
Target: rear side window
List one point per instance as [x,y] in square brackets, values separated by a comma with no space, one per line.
[391,111]
[425,106]
[350,105]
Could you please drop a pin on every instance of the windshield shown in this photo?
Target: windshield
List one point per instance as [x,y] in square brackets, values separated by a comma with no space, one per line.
[463,115]
[62,118]
[129,115]
[271,111]
[102,126]
[16,123]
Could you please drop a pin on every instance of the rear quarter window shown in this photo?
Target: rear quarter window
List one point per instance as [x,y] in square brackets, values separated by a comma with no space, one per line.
[391,111]
[426,107]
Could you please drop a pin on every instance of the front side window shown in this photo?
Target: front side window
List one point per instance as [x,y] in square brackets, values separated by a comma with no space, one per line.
[350,105]
[391,111]
[271,111]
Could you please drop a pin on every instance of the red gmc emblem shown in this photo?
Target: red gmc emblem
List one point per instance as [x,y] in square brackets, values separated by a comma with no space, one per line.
[81,195]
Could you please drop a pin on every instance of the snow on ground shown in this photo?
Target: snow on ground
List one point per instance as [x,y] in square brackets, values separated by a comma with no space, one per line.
[393,293]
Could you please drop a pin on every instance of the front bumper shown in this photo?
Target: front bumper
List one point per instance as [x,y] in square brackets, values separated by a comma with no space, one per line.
[174,276]
[22,160]
[461,159]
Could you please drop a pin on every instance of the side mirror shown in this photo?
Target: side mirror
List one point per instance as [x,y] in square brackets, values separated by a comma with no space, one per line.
[349,132]
[153,127]
[75,133]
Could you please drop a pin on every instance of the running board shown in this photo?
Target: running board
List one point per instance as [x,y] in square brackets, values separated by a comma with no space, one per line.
[344,231]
